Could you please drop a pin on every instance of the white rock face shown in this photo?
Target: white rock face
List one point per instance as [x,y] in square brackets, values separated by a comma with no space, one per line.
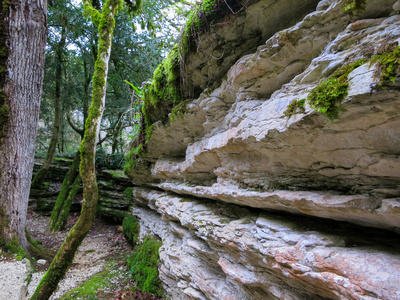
[235,146]
[216,251]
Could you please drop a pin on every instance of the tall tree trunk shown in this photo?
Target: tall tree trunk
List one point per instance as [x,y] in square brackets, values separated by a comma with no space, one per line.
[22,45]
[105,22]
[38,180]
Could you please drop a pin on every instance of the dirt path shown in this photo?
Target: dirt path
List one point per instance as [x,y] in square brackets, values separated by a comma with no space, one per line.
[103,242]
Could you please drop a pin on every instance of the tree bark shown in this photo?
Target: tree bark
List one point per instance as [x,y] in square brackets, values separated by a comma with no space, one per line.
[69,178]
[105,22]
[37,182]
[22,49]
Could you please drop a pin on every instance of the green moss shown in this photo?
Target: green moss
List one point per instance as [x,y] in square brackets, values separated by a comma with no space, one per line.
[328,95]
[96,285]
[353,5]
[295,107]
[130,229]
[144,266]
[14,247]
[164,91]
[111,214]
[36,250]
[179,110]
[131,158]
[389,66]
[128,192]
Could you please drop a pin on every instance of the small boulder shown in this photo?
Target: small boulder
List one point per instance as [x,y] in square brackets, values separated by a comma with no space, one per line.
[41,262]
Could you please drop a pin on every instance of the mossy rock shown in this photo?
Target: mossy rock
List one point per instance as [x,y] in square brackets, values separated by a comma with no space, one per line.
[130,229]
[144,266]
[117,175]
[45,206]
[121,203]
[111,214]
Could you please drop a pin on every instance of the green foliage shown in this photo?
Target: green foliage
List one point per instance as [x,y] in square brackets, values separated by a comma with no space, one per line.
[327,96]
[109,161]
[130,229]
[132,157]
[12,246]
[178,111]
[389,66]
[144,266]
[164,91]
[354,5]
[295,107]
[128,192]
[97,284]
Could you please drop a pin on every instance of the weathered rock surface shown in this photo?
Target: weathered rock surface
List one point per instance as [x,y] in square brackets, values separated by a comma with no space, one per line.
[216,251]
[235,146]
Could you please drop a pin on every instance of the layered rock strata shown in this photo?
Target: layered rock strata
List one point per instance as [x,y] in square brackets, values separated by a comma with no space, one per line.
[231,185]
[212,250]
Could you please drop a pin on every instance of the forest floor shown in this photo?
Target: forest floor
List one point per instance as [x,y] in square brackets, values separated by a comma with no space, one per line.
[99,269]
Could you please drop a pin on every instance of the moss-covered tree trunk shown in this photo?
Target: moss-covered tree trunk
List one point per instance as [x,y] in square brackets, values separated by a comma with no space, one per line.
[69,179]
[105,22]
[22,49]
[38,180]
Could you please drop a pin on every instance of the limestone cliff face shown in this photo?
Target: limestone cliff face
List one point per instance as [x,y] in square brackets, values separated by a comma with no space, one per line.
[252,202]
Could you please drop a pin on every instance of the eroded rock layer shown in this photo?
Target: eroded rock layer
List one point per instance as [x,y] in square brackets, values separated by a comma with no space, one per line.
[254,202]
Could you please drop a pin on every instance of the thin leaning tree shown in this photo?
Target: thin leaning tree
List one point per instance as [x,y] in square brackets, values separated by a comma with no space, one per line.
[104,19]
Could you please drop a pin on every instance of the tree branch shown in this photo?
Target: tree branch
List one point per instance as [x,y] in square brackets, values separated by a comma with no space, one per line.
[75,127]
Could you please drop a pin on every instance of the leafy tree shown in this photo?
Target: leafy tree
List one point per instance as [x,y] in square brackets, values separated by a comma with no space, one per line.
[105,22]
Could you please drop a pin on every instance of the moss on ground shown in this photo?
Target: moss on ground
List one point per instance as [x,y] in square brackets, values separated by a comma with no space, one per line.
[13,247]
[96,286]
[143,265]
